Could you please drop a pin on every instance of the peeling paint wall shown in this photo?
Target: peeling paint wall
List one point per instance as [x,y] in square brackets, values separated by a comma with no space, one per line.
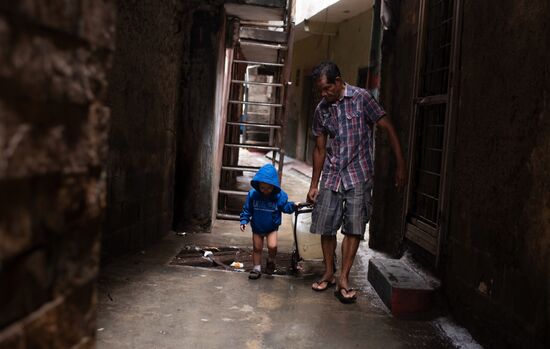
[495,259]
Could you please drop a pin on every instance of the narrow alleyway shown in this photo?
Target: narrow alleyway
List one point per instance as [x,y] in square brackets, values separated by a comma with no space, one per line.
[146,303]
[122,125]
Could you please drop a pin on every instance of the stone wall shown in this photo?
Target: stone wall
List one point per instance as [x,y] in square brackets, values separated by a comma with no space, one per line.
[495,259]
[54,59]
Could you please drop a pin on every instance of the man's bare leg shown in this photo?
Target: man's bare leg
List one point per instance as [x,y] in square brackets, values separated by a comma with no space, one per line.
[328,244]
[350,244]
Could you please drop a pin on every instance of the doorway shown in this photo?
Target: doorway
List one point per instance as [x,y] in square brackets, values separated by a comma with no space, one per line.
[431,126]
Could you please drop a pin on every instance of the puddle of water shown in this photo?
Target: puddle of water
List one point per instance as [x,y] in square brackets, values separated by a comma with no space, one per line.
[222,257]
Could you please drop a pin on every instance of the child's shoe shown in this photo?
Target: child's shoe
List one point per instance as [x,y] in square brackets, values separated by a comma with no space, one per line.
[270,267]
[254,274]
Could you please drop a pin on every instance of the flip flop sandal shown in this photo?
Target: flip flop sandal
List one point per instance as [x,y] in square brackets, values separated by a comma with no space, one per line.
[321,289]
[344,299]
[254,275]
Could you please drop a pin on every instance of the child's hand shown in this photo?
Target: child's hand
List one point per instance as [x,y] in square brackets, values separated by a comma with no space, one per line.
[243,226]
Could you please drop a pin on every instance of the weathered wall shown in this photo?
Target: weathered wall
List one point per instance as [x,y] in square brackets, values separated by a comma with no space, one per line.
[164,136]
[498,263]
[54,58]
[496,259]
[396,93]
[143,94]
[307,53]
[349,49]
[196,127]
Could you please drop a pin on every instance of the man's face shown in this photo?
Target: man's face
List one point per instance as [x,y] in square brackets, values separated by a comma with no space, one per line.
[330,91]
[265,188]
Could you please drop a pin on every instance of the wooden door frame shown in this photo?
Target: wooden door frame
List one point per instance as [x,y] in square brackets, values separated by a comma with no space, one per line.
[451,100]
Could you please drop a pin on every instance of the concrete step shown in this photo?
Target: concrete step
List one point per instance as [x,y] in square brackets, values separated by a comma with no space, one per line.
[403,290]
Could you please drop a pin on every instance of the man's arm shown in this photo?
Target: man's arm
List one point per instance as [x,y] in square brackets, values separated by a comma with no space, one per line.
[401,172]
[319,152]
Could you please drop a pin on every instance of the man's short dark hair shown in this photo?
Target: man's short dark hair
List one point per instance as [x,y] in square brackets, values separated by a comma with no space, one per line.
[327,69]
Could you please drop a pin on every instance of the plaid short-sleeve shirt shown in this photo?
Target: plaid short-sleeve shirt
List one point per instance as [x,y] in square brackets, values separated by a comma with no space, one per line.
[348,125]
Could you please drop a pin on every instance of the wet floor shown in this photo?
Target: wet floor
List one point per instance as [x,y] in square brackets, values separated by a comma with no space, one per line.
[230,258]
[145,302]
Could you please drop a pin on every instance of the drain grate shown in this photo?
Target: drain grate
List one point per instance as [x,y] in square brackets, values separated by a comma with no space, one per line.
[221,257]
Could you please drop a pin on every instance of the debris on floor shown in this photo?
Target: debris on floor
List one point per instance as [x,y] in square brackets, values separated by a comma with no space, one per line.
[226,258]
[237,265]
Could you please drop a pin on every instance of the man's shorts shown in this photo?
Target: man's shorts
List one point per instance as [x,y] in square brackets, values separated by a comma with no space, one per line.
[347,208]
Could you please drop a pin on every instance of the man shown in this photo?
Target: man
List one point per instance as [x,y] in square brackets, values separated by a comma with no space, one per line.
[343,123]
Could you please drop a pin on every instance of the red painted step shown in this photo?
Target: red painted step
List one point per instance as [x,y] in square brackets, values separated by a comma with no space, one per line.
[403,290]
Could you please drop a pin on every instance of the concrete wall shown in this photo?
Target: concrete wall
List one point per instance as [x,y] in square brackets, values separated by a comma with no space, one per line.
[144,92]
[349,49]
[306,55]
[495,259]
[498,263]
[54,58]
[396,93]
[166,120]
[197,130]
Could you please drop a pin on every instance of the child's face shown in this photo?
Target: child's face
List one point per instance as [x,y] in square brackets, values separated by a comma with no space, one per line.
[265,188]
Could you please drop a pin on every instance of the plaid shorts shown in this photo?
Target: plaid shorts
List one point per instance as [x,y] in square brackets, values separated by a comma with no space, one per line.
[347,208]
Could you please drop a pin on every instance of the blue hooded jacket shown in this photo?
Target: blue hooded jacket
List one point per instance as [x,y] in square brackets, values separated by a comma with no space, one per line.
[264,212]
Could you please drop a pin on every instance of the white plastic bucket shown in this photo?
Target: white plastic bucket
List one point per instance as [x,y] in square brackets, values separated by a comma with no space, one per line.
[308,244]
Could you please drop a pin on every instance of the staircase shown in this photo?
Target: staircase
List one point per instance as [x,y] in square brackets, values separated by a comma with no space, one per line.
[256,107]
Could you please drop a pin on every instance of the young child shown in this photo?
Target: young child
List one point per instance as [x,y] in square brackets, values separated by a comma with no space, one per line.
[264,204]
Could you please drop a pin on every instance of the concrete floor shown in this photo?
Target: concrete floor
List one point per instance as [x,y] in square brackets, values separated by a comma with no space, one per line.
[146,303]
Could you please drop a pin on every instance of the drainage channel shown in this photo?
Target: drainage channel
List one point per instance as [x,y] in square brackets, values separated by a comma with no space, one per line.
[228,258]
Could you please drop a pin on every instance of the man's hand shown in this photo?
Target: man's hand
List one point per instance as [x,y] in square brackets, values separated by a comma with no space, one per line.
[401,176]
[312,195]
[243,227]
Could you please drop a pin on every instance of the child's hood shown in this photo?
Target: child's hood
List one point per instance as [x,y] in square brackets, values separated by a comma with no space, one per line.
[267,174]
